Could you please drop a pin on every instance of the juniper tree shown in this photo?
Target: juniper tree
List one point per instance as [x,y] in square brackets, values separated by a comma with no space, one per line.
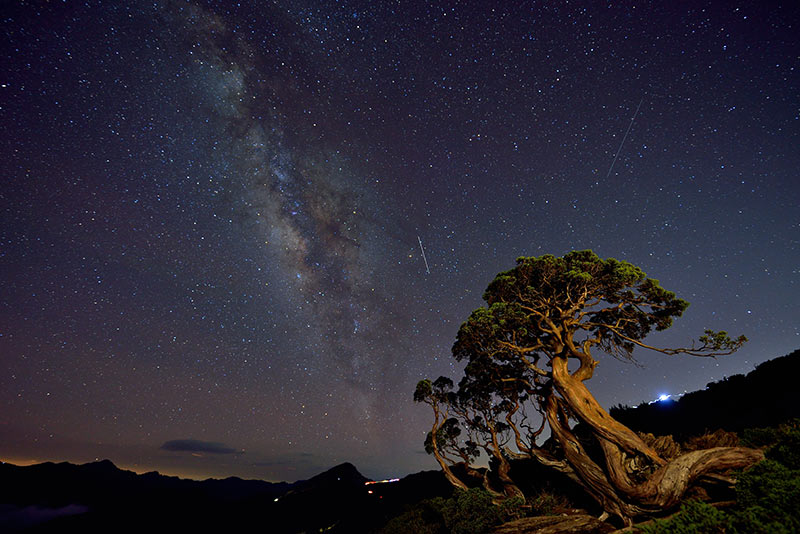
[532,348]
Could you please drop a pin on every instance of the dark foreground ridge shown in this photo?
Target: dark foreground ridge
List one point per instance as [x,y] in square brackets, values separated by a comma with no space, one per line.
[764,397]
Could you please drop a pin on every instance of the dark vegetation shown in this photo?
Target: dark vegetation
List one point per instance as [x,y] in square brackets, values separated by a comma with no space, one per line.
[767,396]
[466,512]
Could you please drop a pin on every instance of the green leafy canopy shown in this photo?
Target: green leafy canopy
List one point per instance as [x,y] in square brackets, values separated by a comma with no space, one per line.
[547,302]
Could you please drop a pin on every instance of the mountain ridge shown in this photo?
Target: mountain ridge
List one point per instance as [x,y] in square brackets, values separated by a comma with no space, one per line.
[97,496]
[761,398]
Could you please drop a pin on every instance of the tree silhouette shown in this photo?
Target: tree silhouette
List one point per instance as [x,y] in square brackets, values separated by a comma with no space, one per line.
[530,349]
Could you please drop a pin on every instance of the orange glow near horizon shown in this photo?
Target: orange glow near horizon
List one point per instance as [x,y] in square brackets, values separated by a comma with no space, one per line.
[21,462]
[136,468]
[25,462]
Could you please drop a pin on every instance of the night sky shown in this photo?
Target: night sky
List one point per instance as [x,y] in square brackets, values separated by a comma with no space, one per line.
[211,212]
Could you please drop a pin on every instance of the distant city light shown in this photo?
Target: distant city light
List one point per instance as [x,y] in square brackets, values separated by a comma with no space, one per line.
[384,481]
[662,398]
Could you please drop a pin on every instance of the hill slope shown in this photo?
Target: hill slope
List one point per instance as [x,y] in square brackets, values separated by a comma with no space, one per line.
[764,397]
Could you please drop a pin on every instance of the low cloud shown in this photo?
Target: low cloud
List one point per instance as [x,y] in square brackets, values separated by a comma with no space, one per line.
[195,445]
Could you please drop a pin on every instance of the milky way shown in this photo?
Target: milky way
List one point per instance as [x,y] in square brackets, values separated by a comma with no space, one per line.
[214,213]
[301,198]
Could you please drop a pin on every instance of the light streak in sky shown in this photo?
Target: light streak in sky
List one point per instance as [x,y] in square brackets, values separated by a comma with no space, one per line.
[423,255]
[624,137]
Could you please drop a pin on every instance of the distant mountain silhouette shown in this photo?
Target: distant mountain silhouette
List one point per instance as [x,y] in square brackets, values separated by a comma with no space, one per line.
[99,492]
[99,497]
[766,396]
[54,484]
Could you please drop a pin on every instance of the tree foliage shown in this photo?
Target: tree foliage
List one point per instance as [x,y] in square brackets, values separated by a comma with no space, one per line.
[528,353]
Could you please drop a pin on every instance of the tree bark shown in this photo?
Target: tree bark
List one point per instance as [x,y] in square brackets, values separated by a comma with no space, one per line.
[587,409]
[509,487]
[452,478]
[665,488]
[589,474]
[635,479]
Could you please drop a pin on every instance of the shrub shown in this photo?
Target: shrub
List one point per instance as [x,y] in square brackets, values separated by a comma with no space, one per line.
[548,503]
[768,497]
[466,512]
[424,518]
[763,437]
[787,448]
[473,511]
[718,438]
[665,446]
[694,518]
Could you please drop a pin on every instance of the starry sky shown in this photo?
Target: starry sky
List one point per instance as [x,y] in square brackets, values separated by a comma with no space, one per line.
[212,214]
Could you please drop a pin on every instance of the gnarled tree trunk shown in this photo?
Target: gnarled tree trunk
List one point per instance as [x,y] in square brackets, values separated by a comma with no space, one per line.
[635,479]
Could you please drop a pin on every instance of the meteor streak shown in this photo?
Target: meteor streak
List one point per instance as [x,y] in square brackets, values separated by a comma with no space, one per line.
[423,255]
[623,139]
